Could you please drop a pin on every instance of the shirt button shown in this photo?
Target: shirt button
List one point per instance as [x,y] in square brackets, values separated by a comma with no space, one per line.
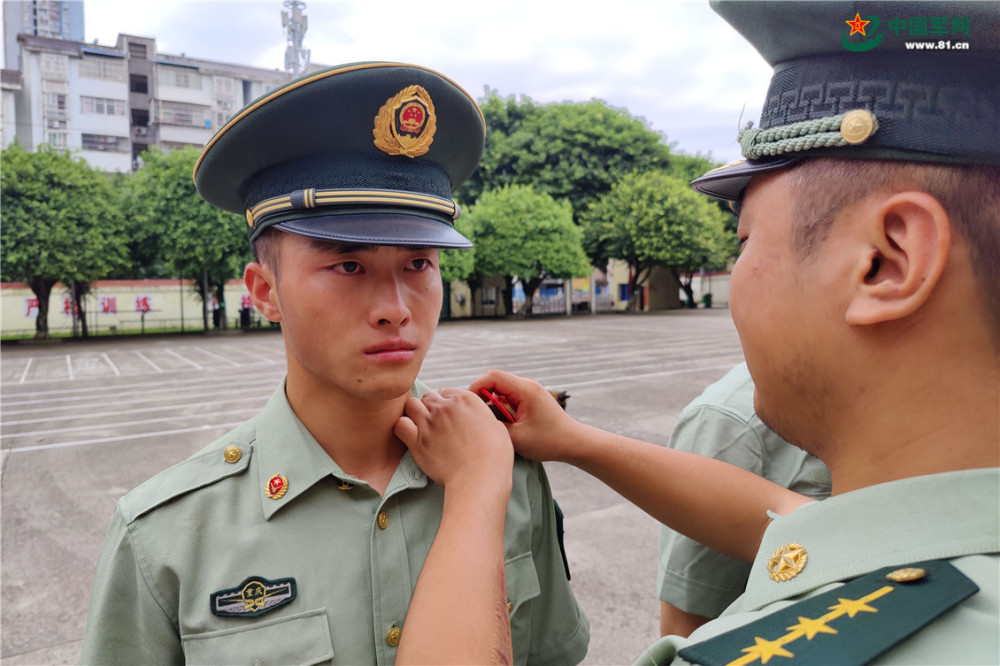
[392,638]
[510,607]
[232,454]
[383,520]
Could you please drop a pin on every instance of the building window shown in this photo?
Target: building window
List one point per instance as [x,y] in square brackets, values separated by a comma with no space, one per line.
[179,77]
[57,139]
[102,68]
[137,51]
[54,105]
[54,67]
[105,143]
[55,124]
[138,83]
[175,113]
[102,106]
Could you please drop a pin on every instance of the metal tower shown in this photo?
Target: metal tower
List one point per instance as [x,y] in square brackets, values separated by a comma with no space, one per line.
[295,24]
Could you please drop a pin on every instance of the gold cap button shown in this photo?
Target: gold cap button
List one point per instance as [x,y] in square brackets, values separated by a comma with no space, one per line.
[383,520]
[787,562]
[857,126]
[345,485]
[392,638]
[907,575]
[232,454]
[510,607]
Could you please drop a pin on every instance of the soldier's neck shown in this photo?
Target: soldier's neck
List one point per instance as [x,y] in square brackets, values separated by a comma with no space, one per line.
[356,432]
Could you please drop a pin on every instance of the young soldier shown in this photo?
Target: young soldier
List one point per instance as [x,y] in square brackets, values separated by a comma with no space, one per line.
[299,536]
[867,305]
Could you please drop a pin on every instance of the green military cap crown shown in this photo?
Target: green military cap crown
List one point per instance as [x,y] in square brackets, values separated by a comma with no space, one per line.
[907,81]
[361,153]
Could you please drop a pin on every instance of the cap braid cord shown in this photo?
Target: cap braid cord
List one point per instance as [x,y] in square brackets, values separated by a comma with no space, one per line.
[805,135]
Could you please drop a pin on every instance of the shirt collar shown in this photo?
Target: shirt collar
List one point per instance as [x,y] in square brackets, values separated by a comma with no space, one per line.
[285,448]
[921,518]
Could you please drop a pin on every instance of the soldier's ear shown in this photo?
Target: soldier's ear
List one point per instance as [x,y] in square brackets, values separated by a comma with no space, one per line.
[262,284]
[903,245]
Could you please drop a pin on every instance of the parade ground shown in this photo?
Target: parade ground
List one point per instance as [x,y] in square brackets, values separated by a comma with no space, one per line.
[82,423]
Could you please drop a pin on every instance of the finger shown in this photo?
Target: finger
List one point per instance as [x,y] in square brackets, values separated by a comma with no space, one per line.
[406,430]
[416,410]
[450,392]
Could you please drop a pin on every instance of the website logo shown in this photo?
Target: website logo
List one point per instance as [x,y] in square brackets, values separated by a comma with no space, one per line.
[864,33]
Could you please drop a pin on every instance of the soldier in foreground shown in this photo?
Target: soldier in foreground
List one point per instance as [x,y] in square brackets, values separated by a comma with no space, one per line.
[866,301]
[299,536]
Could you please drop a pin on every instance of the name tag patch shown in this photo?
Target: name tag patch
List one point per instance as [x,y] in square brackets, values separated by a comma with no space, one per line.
[253,597]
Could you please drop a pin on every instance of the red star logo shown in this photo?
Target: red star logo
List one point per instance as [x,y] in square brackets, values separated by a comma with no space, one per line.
[857,25]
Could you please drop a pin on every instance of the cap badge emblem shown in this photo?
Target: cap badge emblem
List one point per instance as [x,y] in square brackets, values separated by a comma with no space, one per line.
[406,123]
[277,486]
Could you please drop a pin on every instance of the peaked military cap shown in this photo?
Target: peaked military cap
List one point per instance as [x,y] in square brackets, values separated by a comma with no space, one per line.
[362,153]
[907,81]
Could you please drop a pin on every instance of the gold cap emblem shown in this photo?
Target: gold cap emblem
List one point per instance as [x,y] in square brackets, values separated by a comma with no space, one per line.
[787,562]
[277,486]
[232,454]
[857,126]
[406,123]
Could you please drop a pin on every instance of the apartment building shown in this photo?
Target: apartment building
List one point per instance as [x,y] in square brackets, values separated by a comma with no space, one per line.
[110,103]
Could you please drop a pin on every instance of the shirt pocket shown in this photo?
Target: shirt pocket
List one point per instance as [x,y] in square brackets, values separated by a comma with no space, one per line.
[522,587]
[303,638]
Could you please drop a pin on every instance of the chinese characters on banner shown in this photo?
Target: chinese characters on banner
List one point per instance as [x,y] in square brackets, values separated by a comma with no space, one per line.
[109,305]
[31,306]
[143,303]
[69,307]
[246,303]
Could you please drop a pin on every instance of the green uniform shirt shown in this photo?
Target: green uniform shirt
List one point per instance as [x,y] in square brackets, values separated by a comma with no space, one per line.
[952,516]
[335,563]
[721,423]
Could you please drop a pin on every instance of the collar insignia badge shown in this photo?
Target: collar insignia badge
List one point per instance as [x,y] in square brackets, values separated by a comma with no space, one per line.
[253,597]
[277,486]
[406,123]
[787,562]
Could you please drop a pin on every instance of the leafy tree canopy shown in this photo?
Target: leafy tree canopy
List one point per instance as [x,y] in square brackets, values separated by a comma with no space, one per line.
[653,218]
[572,151]
[458,264]
[61,222]
[522,233]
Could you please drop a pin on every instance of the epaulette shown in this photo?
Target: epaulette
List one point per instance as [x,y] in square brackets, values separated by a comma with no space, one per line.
[851,624]
[224,458]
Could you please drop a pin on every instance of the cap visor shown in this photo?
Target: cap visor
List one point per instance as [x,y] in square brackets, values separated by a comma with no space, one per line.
[728,182]
[378,229]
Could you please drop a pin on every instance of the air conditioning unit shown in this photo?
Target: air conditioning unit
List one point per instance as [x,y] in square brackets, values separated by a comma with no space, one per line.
[140,131]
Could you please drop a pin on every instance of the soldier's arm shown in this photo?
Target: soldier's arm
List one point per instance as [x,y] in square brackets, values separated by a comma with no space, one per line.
[458,613]
[715,503]
[126,624]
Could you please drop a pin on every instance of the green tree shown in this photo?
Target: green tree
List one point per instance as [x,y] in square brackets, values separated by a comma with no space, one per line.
[61,223]
[458,264]
[572,151]
[652,218]
[195,239]
[526,234]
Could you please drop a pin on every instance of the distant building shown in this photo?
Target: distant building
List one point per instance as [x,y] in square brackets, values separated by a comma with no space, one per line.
[42,18]
[110,103]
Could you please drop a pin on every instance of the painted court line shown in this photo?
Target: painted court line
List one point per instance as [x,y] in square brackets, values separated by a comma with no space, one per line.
[214,355]
[114,368]
[122,424]
[24,375]
[119,438]
[186,360]
[151,364]
[69,366]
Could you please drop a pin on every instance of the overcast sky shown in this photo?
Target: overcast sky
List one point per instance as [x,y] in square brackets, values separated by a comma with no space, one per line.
[674,63]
